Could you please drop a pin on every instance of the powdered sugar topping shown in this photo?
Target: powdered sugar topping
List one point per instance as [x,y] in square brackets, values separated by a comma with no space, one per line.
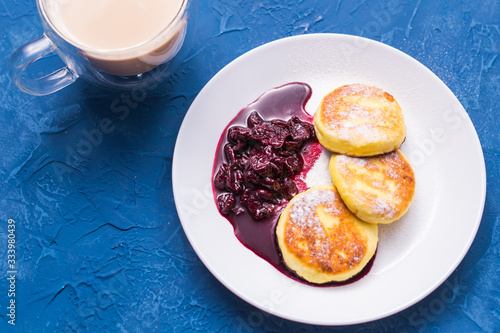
[344,159]
[303,211]
[384,208]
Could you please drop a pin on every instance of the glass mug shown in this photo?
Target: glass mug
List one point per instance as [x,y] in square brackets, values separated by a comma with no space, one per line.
[139,65]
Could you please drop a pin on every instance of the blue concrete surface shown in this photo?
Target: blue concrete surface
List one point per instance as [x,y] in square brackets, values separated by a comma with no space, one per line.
[99,246]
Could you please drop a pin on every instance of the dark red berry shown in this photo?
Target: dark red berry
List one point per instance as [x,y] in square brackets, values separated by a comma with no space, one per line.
[254,119]
[220,177]
[230,156]
[226,202]
[298,131]
[234,181]
[289,188]
[265,211]
[260,164]
[237,133]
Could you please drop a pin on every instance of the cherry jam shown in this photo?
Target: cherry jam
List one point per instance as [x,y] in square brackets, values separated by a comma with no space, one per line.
[261,162]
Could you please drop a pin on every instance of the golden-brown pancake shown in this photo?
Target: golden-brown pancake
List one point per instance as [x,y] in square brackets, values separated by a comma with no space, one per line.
[359,120]
[321,240]
[376,189]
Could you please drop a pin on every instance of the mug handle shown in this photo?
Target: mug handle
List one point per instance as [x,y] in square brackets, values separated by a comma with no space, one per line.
[28,54]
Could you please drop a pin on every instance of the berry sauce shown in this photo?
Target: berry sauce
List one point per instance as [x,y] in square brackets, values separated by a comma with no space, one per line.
[261,161]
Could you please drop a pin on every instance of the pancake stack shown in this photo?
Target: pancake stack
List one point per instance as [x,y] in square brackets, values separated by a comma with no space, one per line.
[329,233]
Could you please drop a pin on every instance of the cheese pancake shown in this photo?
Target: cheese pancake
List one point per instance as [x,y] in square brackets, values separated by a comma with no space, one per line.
[376,189]
[321,240]
[359,120]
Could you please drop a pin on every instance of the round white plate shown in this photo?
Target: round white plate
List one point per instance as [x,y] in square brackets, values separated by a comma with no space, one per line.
[416,254]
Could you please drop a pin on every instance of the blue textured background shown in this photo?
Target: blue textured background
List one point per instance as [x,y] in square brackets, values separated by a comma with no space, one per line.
[100,247]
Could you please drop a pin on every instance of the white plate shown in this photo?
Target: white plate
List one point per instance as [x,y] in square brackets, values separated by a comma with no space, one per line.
[415,254]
